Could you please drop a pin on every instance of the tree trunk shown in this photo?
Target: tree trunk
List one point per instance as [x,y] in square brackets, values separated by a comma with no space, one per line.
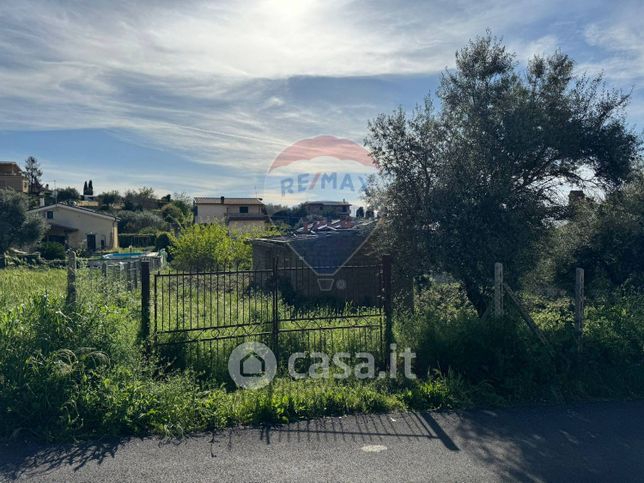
[475,296]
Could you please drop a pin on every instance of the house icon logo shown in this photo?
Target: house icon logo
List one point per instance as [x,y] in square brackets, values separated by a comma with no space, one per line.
[252,365]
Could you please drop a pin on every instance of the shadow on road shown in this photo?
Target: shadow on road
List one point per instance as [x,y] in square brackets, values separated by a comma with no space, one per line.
[586,442]
[362,428]
[33,458]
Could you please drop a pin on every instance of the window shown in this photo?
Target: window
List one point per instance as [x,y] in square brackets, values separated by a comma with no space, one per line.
[50,215]
[243,209]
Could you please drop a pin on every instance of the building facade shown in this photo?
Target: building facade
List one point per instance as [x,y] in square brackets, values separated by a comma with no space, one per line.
[79,228]
[12,177]
[241,214]
[340,209]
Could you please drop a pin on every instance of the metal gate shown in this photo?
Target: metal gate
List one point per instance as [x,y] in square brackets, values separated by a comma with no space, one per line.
[198,318]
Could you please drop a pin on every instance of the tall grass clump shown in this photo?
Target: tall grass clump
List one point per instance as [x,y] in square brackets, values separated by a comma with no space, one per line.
[77,371]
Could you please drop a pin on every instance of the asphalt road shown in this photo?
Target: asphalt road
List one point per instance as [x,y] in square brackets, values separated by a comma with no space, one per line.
[591,442]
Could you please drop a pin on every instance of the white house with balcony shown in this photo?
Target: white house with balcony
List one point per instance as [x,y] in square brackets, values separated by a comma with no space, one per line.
[242,214]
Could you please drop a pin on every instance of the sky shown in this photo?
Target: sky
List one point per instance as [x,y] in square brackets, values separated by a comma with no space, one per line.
[199,97]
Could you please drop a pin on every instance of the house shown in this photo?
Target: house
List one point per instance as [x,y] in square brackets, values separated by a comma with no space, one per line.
[243,214]
[339,264]
[77,227]
[328,208]
[11,176]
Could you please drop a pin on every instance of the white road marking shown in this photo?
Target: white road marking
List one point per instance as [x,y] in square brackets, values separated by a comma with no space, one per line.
[373,448]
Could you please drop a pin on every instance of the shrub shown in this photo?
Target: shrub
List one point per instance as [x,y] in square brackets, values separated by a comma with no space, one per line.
[162,241]
[52,251]
[204,247]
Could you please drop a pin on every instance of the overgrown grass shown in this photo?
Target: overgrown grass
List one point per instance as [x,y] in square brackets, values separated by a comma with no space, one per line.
[68,372]
[18,285]
[77,371]
[504,356]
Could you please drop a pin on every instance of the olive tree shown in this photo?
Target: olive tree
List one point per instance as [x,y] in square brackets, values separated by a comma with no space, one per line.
[479,179]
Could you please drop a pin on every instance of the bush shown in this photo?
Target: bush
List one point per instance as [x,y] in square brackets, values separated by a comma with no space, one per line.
[205,247]
[163,241]
[52,251]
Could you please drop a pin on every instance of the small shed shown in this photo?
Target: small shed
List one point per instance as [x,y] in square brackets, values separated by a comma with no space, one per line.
[339,264]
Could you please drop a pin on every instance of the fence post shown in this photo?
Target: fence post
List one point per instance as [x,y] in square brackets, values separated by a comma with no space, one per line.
[498,289]
[128,275]
[387,303]
[71,277]
[579,306]
[276,328]
[145,304]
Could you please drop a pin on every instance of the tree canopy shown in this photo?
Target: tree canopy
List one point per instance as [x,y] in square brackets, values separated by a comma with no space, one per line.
[67,195]
[17,227]
[34,174]
[480,179]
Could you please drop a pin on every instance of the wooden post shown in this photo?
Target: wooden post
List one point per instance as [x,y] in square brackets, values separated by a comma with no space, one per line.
[526,316]
[145,304]
[71,277]
[498,289]
[579,306]
[388,308]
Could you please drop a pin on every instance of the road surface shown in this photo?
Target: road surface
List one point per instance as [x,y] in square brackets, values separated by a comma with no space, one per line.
[590,442]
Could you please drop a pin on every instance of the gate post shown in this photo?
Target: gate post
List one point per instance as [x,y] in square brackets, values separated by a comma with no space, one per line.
[387,305]
[275,328]
[145,304]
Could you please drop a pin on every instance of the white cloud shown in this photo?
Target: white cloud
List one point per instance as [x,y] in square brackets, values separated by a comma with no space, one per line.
[212,80]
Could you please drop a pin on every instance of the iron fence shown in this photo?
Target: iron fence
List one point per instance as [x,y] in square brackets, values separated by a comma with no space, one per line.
[197,318]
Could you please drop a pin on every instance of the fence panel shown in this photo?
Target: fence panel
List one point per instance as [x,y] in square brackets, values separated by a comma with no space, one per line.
[200,317]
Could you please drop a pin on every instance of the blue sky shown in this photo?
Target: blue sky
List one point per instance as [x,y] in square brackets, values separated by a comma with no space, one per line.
[200,96]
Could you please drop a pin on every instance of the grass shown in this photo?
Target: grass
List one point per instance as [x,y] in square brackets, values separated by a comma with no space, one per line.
[18,285]
[70,372]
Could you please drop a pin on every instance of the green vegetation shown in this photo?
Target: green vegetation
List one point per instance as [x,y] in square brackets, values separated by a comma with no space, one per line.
[17,227]
[205,247]
[20,285]
[510,364]
[52,251]
[478,179]
[89,363]
[77,371]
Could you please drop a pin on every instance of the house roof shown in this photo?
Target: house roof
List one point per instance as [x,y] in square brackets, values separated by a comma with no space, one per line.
[10,168]
[323,251]
[327,203]
[73,208]
[228,201]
